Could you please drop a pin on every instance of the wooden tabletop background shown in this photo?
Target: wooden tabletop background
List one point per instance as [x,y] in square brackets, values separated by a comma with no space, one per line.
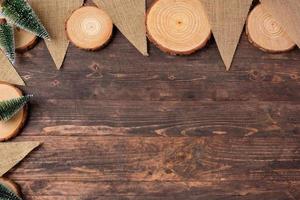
[117,125]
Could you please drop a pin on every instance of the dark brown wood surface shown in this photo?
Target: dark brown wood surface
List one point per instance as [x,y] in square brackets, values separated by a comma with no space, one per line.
[117,125]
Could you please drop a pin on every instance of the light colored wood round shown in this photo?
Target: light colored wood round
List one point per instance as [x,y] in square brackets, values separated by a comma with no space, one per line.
[178,27]
[89,28]
[24,40]
[266,33]
[12,186]
[12,127]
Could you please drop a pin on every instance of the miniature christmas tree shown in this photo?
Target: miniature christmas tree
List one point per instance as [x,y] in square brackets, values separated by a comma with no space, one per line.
[7,43]
[11,107]
[21,14]
[7,194]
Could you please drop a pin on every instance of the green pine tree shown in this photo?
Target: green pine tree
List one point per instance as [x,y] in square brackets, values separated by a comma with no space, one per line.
[11,107]
[7,43]
[7,194]
[21,14]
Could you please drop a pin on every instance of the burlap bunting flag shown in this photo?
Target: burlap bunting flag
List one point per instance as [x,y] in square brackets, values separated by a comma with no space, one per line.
[227,18]
[53,14]
[8,73]
[129,17]
[11,153]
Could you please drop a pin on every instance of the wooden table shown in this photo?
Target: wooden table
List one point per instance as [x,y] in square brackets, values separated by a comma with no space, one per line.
[117,125]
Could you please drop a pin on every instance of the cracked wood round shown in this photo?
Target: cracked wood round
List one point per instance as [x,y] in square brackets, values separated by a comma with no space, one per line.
[11,128]
[178,27]
[12,186]
[89,28]
[266,33]
[24,40]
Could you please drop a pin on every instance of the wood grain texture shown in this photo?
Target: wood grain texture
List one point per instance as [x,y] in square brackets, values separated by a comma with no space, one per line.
[129,17]
[124,126]
[160,167]
[12,153]
[8,73]
[53,14]
[287,13]
[227,19]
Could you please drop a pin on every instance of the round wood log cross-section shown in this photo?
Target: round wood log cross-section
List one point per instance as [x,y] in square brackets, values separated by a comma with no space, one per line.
[24,40]
[11,128]
[12,186]
[178,27]
[89,28]
[266,33]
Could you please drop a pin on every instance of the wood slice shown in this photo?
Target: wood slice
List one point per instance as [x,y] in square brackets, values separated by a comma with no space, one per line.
[12,127]
[178,27]
[89,28]
[24,40]
[12,186]
[266,33]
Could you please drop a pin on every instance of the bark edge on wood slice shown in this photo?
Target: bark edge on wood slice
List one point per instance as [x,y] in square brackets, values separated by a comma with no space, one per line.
[267,34]
[12,186]
[89,28]
[178,28]
[12,127]
[24,40]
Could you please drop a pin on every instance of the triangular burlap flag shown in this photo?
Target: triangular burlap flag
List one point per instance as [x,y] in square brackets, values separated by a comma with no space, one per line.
[8,73]
[53,14]
[129,17]
[11,153]
[287,13]
[227,18]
